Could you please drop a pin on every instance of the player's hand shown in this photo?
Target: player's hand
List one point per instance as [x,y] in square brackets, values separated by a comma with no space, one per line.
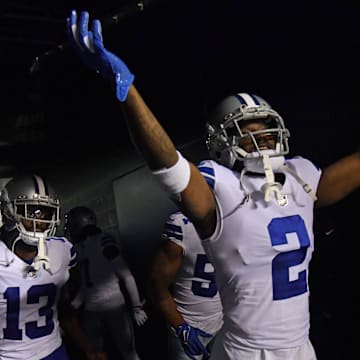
[140,315]
[90,48]
[189,338]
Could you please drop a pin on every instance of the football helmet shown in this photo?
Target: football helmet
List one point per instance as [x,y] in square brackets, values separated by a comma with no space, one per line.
[30,205]
[77,219]
[224,133]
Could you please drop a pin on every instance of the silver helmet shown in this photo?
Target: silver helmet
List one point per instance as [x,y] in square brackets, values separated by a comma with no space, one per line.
[224,129]
[32,201]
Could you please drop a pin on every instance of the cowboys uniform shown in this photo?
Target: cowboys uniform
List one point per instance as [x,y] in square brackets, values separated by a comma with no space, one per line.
[28,301]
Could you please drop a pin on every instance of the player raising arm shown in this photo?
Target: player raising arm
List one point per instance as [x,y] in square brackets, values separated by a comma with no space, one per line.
[256,217]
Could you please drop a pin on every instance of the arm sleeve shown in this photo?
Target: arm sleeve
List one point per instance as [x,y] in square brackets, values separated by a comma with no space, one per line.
[124,274]
[111,250]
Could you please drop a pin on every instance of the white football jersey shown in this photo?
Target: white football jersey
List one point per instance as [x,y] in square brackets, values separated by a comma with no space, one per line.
[194,288]
[261,252]
[29,327]
[100,282]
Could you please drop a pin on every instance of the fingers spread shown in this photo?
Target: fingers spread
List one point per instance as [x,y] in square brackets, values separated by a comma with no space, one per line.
[97,34]
[72,29]
[83,30]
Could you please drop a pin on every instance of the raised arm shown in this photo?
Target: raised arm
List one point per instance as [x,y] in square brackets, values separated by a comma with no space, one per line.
[181,179]
[339,180]
[197,200]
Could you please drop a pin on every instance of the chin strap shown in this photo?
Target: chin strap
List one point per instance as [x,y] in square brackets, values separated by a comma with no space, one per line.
[14,243]
[271,186]
[246,193]
[304,185]
[42,257]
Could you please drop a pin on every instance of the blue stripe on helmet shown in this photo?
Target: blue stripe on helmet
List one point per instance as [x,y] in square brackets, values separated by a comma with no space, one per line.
[36,185]
[241,99]
[256,101]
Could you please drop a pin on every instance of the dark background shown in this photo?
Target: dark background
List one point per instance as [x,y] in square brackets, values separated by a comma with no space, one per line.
[184,54]
[303,58]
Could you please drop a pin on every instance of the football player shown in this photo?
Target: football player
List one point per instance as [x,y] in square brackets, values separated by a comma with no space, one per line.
[255,222]
[192,306]
[102,266]
[34,270]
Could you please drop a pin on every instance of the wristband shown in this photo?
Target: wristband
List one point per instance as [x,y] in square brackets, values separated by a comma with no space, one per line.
[176,178]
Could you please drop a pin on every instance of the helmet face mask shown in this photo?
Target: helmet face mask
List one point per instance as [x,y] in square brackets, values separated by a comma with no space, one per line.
[31,206]
[35,217]
[226,137]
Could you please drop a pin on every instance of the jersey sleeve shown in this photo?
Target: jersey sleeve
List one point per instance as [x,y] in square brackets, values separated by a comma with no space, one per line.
[68,248]
[173,229]
[73,257]
[309,172]
[206,168]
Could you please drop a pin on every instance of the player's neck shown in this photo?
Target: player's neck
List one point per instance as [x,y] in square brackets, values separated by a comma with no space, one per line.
[25,251]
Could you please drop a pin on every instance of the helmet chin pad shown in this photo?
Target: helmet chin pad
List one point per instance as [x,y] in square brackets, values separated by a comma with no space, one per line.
[32,237]
[253,162]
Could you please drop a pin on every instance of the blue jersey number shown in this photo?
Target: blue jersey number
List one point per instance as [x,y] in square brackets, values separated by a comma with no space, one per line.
[199,271]
[278,228]
[32,329]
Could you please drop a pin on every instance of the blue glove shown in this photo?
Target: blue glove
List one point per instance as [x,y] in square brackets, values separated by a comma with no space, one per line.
[189,338]
[90,48]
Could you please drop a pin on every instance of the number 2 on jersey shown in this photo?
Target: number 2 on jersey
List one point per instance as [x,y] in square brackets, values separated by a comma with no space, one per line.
[278,228]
